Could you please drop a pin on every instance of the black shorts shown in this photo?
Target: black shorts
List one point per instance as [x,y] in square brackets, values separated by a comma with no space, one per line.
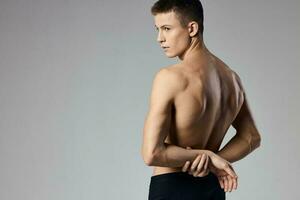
[183,186]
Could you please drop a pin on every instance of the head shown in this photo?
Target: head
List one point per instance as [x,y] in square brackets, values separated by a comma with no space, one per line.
[178,22]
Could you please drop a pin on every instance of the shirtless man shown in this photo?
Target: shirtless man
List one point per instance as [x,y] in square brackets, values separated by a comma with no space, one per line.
[192,105]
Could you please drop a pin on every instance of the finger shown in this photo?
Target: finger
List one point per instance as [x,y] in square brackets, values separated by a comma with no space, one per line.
[207,170]
[230,171]
[221,182]
[230,183]
[186,166]
[235,183]
[225,183]
[235,175]
[195,163]
[206,163]
[203,173]
[200,165]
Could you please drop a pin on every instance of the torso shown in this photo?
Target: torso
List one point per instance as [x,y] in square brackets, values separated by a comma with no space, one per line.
[205,108]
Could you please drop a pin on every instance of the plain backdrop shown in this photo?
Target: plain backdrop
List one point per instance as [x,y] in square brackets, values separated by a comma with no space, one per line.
[75,80]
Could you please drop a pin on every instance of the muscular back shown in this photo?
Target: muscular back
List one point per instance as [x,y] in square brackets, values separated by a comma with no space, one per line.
[211,96]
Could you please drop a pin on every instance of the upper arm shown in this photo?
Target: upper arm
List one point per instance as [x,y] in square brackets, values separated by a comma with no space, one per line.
[244,118]
[158,119]
[244,122]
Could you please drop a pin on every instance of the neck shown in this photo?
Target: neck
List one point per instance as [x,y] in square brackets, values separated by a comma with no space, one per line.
[196,48]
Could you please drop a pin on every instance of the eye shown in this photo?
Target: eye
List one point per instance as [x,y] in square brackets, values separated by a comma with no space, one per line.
[166,28]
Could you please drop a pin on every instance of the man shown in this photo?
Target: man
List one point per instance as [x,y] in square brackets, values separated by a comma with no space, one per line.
[192,105]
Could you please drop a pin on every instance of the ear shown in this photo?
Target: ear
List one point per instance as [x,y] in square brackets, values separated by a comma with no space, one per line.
[193,28]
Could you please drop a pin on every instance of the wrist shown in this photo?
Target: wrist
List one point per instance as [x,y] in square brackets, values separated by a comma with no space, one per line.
[209,153]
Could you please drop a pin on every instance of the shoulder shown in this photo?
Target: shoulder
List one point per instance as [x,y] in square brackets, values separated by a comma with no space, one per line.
[169,77]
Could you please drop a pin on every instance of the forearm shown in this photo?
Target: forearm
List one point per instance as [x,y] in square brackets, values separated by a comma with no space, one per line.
[237,148]
[175,156]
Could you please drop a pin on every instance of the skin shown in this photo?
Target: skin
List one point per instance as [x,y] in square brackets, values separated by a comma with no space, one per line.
[192,105]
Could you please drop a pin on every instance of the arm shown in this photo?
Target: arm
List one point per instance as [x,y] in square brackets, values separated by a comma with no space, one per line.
[175,156]
[246,139]
[155,151]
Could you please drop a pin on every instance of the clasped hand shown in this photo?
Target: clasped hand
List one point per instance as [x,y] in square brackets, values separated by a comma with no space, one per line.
[206,162]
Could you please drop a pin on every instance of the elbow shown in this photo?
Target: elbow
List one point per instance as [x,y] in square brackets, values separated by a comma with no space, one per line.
[147,158]
[153,156]
[259,142]
[152,159]
[256,141]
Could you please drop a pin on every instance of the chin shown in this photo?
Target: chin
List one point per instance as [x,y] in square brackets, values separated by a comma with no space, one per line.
[169,55]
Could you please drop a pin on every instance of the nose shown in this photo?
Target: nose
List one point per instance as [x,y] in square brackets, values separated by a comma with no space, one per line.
[160,37]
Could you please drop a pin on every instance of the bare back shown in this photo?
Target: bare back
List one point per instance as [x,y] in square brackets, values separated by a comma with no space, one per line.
[211,97]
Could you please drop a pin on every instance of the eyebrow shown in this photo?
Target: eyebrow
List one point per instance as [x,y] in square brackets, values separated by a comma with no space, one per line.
[162,25]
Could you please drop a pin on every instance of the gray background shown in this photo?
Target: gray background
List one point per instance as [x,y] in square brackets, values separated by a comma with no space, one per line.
[75,78]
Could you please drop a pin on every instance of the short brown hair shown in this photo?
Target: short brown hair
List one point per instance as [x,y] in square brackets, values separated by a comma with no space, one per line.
[185,10]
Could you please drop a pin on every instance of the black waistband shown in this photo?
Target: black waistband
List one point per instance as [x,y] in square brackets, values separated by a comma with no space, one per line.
[171,175]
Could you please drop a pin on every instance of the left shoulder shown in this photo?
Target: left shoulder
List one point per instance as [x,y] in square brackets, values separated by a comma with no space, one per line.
[170,78]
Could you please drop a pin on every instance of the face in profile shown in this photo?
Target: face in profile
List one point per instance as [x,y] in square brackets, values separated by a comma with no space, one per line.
[172,37]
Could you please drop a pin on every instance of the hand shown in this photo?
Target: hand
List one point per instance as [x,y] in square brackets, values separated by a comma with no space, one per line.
[220,167]
[199,167]
[224,172]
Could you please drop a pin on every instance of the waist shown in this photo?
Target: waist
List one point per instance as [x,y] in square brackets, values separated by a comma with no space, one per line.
[180,177]
[164,170]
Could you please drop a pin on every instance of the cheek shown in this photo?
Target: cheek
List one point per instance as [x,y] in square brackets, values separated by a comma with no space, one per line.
[181,41]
